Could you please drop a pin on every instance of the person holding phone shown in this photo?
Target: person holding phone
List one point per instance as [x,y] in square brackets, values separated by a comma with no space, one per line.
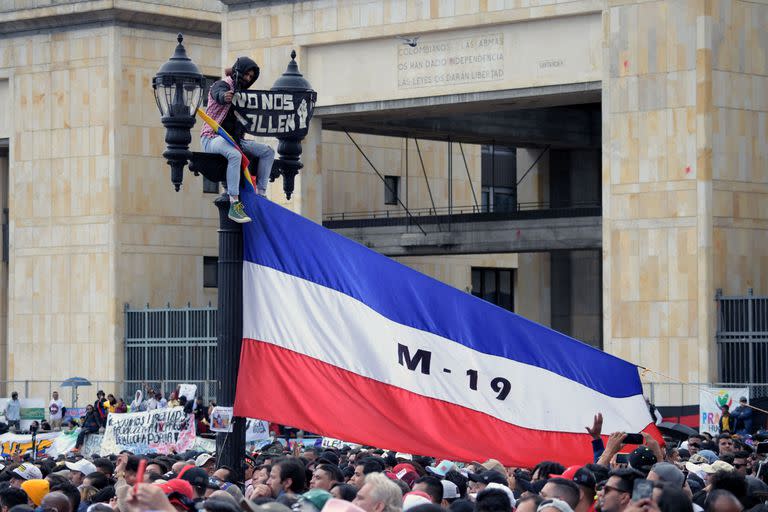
[616,494]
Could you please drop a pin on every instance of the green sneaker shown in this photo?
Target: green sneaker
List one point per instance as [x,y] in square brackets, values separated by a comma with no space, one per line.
[237,213]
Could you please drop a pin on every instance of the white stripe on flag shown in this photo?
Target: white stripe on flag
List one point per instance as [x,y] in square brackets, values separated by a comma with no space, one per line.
[335,328]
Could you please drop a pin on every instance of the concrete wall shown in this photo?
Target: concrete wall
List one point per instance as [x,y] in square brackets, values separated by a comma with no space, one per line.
[684,111]
[739,125]
[457,270]
[328,36]
[94,221]
[351,184]
[683,169]
[3,271]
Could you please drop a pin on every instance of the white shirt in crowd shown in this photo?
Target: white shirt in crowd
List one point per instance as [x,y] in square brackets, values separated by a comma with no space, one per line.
[55,409]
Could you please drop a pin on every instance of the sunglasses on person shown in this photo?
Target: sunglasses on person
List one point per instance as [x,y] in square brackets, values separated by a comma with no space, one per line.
[609,488]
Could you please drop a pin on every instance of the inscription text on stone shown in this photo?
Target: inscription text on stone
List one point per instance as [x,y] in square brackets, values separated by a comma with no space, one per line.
[451,61]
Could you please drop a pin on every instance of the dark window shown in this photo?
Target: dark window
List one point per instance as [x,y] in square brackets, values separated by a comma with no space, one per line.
[210,272]
[498,176]
[210,187]
[391,189]
[495,286]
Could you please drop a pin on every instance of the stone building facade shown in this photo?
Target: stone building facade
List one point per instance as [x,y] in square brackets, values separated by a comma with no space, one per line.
[682,89]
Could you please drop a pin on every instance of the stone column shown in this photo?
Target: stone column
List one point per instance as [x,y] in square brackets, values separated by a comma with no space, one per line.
[658,292]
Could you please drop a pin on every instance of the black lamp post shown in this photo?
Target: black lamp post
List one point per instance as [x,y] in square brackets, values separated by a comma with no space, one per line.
[179,88]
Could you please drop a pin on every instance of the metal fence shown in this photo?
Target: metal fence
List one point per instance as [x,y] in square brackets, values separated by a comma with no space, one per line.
[165,347]
[742,340]
[683,394]
[83,395]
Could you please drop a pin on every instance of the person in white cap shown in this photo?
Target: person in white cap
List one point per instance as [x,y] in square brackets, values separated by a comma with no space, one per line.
[207,462]
[79,470]
[450,493]
[414,499]
[23,473]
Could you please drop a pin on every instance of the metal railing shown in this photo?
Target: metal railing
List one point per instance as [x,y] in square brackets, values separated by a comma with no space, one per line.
[83,395]
[459,210]
[168,346]
[742,339]
[682,394]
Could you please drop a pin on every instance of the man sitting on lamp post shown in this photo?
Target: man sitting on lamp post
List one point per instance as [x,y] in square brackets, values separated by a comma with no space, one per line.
[239,77]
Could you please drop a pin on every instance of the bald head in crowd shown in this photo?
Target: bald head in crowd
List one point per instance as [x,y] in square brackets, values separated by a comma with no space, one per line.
[723,501]
[56,500]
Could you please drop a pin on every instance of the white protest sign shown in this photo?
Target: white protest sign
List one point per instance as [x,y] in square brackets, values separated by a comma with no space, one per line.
[188,390]
[156,431]
[710,402]
[221,419]
[329,442]
[256,430]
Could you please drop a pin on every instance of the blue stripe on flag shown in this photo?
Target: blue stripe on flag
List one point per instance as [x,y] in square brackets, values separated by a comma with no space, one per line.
[285,241]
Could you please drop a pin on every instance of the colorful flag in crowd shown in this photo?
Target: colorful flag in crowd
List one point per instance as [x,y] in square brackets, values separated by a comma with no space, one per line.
[344,342]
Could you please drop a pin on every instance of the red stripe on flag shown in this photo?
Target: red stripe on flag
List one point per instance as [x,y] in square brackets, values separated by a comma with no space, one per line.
[282,386]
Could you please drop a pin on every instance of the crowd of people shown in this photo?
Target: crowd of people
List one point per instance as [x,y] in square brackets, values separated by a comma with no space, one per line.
[725,473]
[95,417]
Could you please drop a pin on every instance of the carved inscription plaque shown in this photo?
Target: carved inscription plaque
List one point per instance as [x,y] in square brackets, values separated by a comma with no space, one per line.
[461,60]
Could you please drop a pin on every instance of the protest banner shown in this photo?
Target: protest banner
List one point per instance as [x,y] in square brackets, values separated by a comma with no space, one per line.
[305,442]
[330,442]
[275,113]
[63,442]
[221,419]
[710,402]
[204,445]
[73,413]
[91,445]
[21,444]
[256,430]
[157,431]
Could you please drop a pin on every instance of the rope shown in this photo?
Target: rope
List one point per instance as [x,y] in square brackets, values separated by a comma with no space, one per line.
[645,371]
[426,180]
[394,193]
[533,164]
[471,186]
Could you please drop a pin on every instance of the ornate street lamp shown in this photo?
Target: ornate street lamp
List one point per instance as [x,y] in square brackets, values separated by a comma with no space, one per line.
[178,88]
[289,147]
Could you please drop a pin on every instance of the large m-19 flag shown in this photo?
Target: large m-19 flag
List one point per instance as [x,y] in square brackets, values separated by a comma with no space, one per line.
[344,342]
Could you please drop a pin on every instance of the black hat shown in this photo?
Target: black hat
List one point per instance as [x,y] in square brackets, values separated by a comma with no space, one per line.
[585,477]
[641,459]
[328,457]
[198,477]
[487,477]
[579,475]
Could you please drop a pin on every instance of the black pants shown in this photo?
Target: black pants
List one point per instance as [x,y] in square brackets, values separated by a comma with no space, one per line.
[81,436]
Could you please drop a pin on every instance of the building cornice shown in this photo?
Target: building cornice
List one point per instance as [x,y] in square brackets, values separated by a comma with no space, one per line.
[110,11]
